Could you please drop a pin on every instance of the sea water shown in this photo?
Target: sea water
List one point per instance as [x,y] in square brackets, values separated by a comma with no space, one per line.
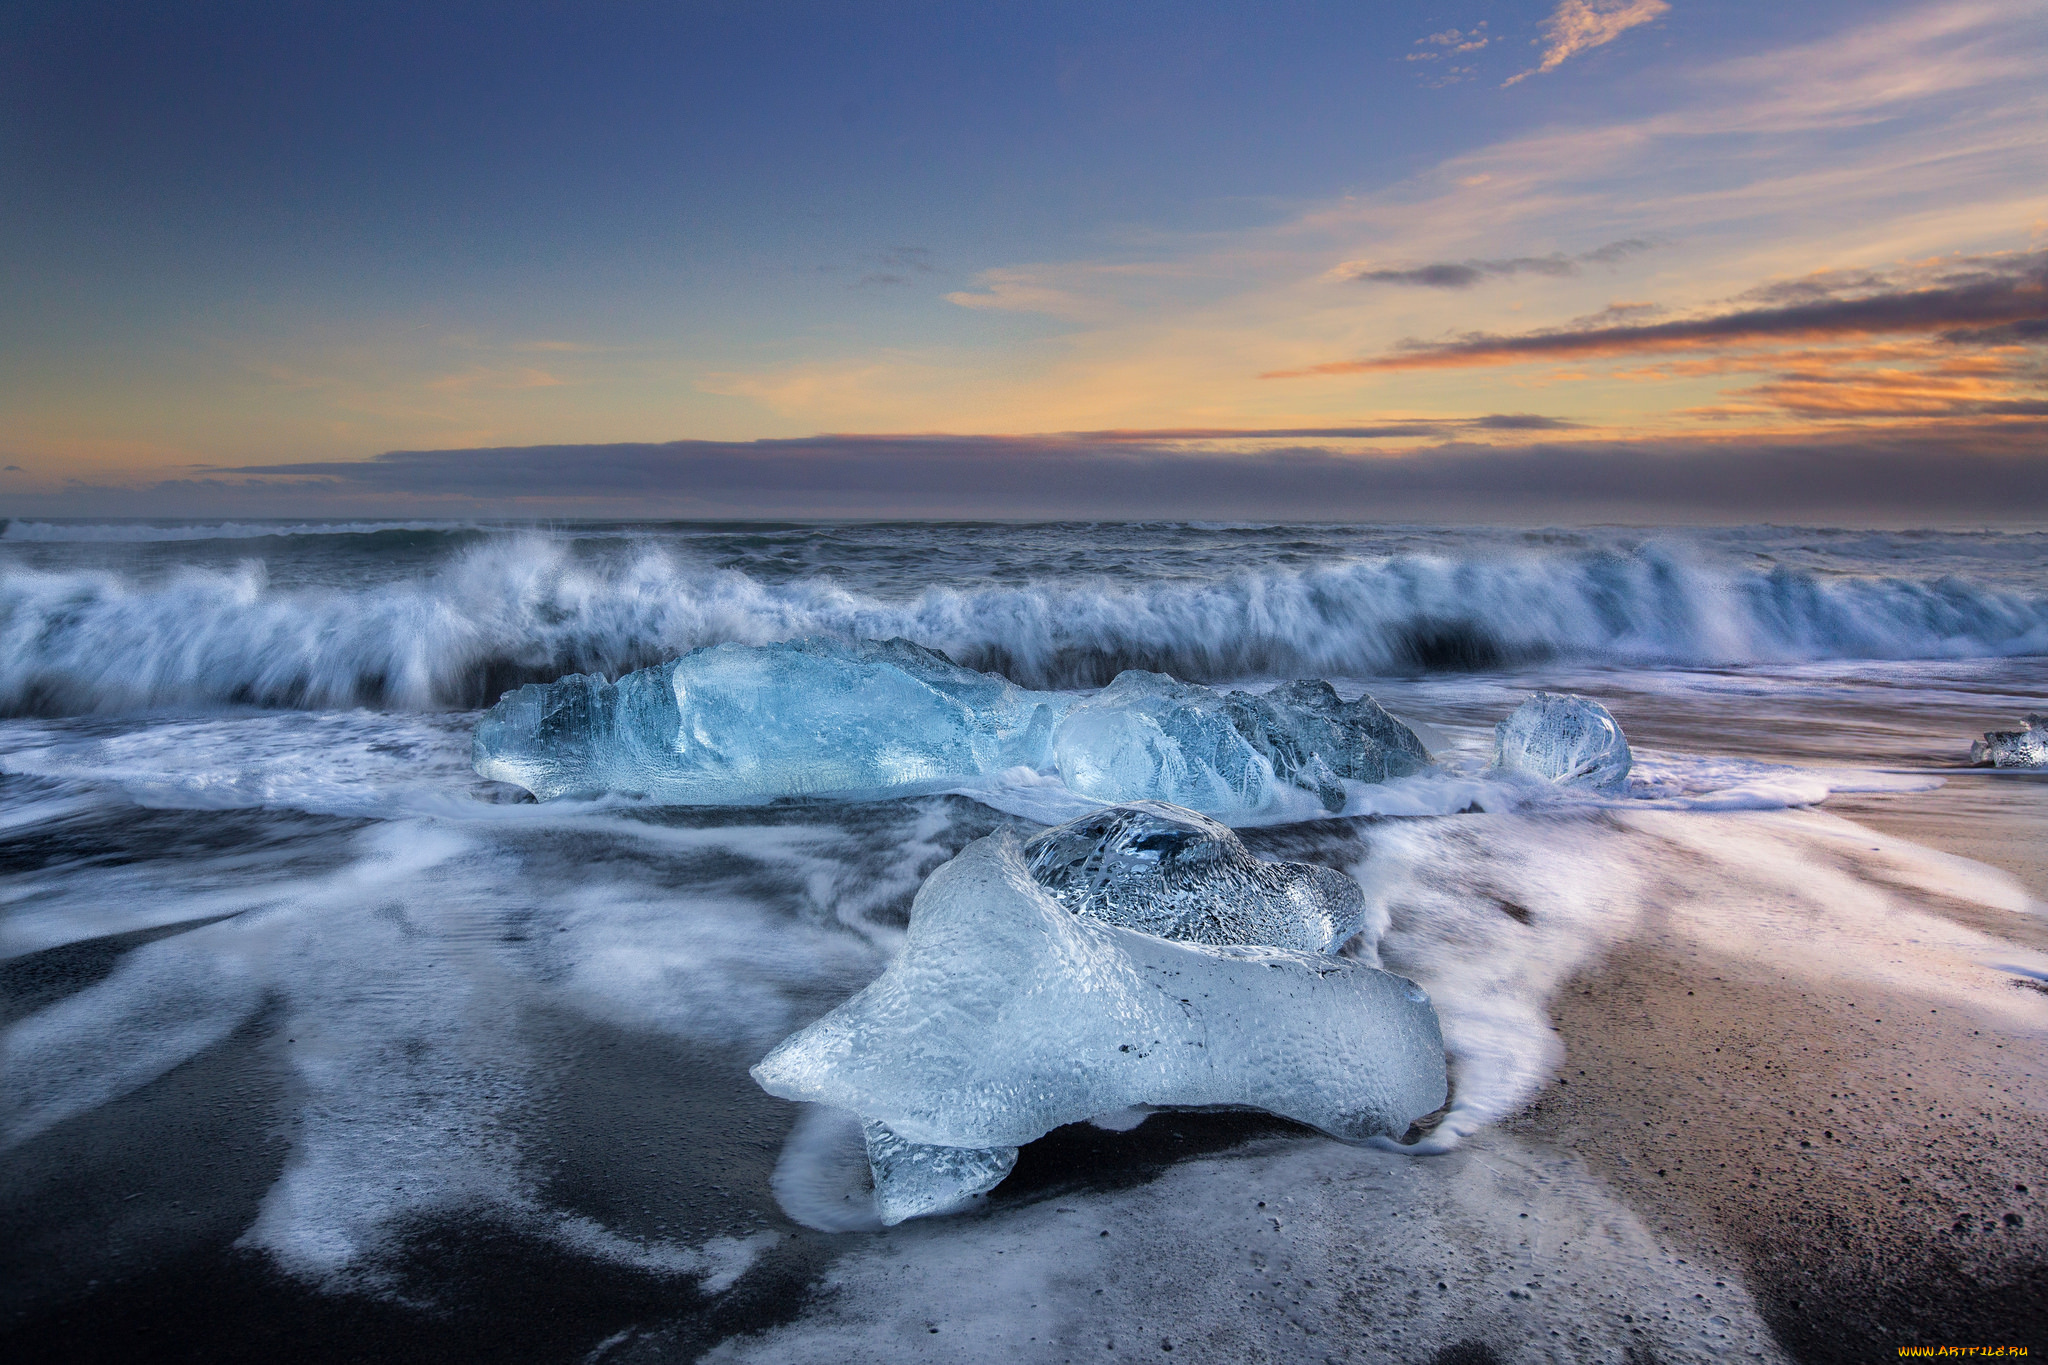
[239,830]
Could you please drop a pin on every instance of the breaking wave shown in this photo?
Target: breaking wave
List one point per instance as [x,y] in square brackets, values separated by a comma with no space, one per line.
[520,608]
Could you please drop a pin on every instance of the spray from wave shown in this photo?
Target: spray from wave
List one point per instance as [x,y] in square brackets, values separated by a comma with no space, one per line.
[520,608]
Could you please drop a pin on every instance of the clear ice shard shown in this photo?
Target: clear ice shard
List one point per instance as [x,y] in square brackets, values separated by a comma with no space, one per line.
[2026,747]
[1146,736]
[917,1179]
[1007,1015]
[1160,869]
[747,724]
[1172,872]
[1566,739]
[1309,736]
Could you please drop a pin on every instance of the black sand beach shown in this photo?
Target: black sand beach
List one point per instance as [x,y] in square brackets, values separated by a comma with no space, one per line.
[1870,1164]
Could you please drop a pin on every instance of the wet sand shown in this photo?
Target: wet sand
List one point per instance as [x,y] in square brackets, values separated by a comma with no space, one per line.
[1995,818]
[1875,1162]
[119,1227]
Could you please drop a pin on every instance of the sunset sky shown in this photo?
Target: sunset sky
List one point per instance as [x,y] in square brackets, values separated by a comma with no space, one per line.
[1606,258]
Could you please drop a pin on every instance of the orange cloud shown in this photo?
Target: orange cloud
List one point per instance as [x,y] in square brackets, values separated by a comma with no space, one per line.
[1577,25]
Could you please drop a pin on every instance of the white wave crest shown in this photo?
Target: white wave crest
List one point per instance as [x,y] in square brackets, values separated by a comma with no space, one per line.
[518,608]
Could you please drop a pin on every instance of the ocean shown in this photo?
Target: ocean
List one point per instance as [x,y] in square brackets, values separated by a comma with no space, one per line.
[318,1044]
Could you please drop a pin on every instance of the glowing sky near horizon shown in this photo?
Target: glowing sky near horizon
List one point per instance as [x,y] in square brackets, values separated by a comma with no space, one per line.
[264,235]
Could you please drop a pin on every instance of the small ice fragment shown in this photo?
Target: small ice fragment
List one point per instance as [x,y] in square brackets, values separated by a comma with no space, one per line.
[2026,747]
[1565,739]
[915,1180]
[1169,871]
[743,725]
[1008,1015]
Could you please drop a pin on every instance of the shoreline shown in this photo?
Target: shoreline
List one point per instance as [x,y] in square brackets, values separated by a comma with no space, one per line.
[2000,821]
[1875,1162]
[1860,1163]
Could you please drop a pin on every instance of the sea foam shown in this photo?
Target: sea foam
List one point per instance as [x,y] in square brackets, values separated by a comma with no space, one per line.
[520,608]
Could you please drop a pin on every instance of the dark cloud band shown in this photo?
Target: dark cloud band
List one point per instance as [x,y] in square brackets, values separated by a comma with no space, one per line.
[1465,274]
[2003,303]
[1973,473]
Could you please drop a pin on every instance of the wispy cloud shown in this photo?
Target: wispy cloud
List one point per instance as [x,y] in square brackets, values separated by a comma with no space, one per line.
[1448,47]
[1910,131]
[1452,43]
[1452,40]
[1021,291]
[1577,26]
[1864,74]
[1965,338]
[897,266]
[1979,301]
[1464,274]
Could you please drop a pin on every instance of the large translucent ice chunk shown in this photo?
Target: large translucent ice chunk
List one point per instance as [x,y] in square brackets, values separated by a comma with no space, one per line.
[1007,1015]
[1147,737]
[1162,870]
[1566,739]
[742,724]
[916,1179]
[1169,871]
[1308,736]
[2026,747]
[738,725]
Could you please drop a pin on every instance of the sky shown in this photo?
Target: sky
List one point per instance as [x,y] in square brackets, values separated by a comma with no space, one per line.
[1594,259]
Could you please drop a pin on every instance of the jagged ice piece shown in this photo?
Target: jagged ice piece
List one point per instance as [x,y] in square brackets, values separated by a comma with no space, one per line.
[1565,739]
[1148,737]
[915,1179]
[1160,869]
[1007,1015]
[1310,738]
[1165,870]
[739,725]
[2026,747]
[746,724]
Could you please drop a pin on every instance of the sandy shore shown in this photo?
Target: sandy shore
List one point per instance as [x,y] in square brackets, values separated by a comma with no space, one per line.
[1876,1170]
[1995,818]
[1876,1163]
